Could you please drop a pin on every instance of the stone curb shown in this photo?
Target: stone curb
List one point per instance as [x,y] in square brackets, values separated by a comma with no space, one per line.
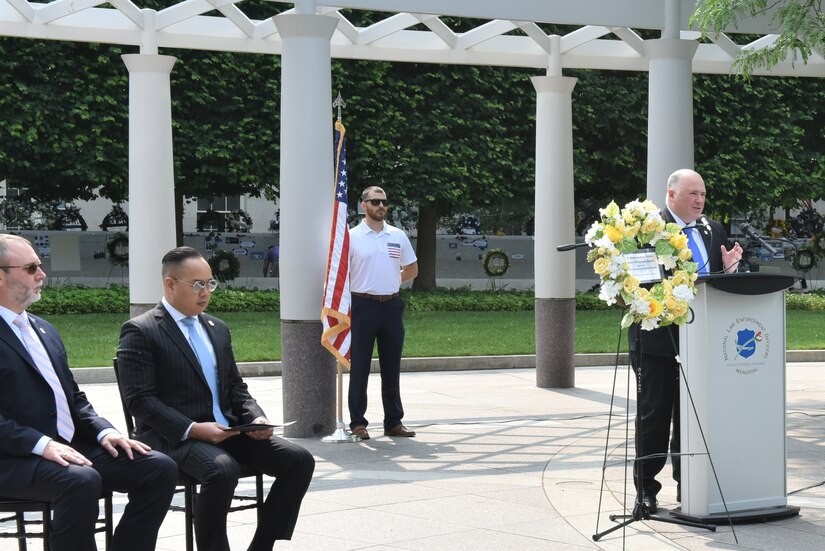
[93,375]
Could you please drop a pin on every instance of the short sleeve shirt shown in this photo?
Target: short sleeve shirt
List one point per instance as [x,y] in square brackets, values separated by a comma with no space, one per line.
[376,258]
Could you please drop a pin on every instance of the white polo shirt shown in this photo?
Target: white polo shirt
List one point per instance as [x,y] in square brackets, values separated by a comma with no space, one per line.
[376,258]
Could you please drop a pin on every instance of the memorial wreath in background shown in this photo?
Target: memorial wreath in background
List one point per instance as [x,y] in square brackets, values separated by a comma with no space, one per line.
[638,227]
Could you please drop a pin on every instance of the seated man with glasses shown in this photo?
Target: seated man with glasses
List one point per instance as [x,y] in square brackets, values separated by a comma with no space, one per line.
[180,381]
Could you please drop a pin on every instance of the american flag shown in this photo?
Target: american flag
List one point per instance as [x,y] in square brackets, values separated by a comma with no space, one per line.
[336,315]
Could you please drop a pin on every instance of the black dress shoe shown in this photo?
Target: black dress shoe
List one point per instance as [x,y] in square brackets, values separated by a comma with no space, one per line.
[649,501]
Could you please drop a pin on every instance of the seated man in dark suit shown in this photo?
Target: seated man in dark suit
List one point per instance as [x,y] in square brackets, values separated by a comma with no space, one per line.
[180,381]
[53,445]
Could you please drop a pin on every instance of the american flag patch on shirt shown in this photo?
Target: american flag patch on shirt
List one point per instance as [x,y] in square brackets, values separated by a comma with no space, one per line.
[394,250]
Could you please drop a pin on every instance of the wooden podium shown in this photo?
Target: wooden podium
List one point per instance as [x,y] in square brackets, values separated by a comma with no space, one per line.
[733,356]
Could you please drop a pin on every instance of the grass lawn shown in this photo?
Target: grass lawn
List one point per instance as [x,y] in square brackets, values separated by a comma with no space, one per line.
[91,340]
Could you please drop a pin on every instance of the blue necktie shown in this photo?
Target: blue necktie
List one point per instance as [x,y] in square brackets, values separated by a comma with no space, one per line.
[208,367]
[65,425]
[694,248]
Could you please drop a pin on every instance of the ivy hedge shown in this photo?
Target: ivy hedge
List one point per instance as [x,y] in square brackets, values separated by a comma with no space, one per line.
[115,299]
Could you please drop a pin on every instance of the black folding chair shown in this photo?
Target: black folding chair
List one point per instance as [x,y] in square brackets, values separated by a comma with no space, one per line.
[189,486]
[19,508]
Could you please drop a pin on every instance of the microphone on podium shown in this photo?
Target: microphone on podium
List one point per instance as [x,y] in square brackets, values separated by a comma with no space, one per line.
[748,230]
[571,246]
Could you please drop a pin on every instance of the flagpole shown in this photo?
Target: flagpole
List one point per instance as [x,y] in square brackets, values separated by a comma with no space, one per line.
[340,435]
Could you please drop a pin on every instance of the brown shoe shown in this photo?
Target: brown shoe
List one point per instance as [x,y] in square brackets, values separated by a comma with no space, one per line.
[360,430]
[399,430]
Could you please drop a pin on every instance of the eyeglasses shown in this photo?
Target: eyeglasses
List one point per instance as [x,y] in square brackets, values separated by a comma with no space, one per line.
[30,269]
[376,202]
[199,286]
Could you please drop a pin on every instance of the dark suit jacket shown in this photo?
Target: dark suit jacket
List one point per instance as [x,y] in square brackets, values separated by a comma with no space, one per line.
[163,385]
[657,342]
[27,406]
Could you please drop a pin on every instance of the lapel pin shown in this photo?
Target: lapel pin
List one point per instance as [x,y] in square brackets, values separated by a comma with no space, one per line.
[42,330]
[210,323]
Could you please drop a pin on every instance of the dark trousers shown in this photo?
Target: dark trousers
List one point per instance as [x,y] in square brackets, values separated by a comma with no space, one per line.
[382,322]
[657,409]
[217,469]
[74,492]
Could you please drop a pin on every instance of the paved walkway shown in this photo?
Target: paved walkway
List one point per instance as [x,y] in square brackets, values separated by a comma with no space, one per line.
[500,464]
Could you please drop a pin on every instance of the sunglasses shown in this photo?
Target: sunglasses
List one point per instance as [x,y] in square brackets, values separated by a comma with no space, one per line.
[376,202]
[199,286]
[30,269]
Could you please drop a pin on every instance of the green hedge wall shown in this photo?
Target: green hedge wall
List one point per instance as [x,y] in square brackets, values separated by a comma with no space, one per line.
[115,299]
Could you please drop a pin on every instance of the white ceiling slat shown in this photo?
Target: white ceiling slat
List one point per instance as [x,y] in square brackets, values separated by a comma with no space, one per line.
[61,8]
[629,37]
[483,33]
[386,27]
[23,8]
[239,18]
[439,28]
[581,36]
[726,45]
[130,10]
[538,36]
[181,12]
[183,25]
[345,27]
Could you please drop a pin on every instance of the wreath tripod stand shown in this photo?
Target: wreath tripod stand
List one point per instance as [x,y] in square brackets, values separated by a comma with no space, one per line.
[640,511]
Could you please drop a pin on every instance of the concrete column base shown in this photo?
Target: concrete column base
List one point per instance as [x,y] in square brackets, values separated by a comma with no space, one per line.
[555,342]
[308,375]
[138,309]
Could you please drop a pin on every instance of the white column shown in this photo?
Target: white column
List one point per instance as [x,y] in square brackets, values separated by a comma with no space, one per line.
[555,272]
[307,184]
[151,175]
[306,162]
[670,112]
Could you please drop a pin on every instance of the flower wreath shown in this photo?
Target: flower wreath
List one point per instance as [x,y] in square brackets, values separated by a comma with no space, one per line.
[225,265]
[118,249]
[623,231]
[496,262]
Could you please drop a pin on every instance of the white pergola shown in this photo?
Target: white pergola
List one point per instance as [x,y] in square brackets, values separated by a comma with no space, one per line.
[307,34]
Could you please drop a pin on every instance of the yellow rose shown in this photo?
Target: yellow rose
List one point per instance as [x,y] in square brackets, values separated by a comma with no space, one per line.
[655,308]
[630,284]
[694,276]
[670,302]
[643,293]
[613,234]
[651,225]
[616,252]
[601,266]
[680,278]
[679,240]
[685,255]
[649,206]
[627,215]
[680,309]
[667,286]
[631,231]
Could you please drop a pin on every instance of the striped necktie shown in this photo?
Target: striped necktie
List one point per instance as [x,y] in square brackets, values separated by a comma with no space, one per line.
[65,425]
[208,366]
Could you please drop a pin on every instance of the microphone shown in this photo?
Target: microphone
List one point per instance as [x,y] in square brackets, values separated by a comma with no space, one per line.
[748,230]
[571,246]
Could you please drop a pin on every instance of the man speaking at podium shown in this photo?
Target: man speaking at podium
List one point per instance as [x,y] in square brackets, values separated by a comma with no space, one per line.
[652,353]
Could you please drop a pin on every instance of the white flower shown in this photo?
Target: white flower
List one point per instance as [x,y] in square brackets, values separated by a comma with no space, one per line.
[669,262]
[640,306]
[591,233]
[617,266]
[608,291]
[604,242]
[650,323]
[683,292]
